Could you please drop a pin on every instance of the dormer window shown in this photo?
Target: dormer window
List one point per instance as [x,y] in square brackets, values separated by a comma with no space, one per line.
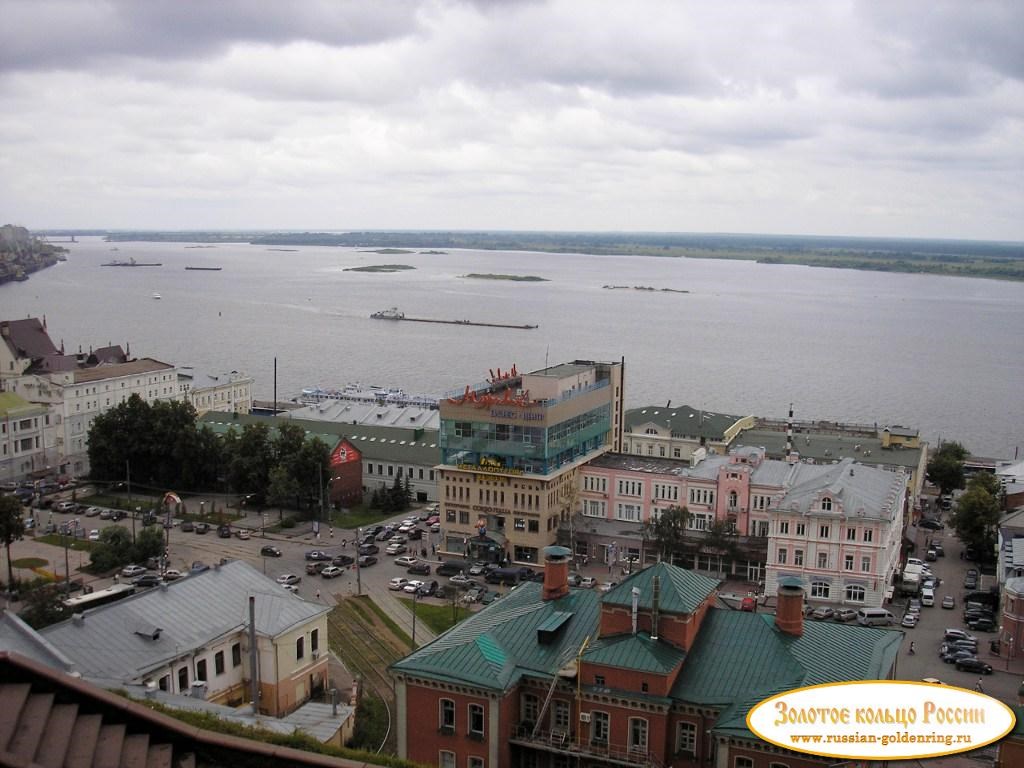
[826,504]
[651,431]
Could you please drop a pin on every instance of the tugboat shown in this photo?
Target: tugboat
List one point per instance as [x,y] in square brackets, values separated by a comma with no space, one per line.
[388,314]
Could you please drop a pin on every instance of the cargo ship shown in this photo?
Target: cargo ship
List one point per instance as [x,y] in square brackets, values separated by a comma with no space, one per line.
[131,263]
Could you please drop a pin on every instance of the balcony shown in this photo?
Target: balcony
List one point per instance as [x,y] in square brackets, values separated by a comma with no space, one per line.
[563,743]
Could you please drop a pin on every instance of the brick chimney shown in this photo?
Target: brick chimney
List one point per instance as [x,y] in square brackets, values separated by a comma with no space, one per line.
[789,613]
[556,572]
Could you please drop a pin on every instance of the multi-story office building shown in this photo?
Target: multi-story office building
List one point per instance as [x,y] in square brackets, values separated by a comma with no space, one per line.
[510,452]
[23,448]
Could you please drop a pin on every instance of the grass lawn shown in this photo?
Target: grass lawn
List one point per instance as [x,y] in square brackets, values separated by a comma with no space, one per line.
[359,517]
[437,617]
[78,545]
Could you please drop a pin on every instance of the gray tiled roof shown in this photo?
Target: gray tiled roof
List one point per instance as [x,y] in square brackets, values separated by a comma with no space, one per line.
[826,448]
[190,613]
[18,637]
[862,491]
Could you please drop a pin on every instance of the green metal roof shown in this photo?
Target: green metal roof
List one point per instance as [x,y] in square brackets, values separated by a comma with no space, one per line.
[681,591]
[741,658]
[495,647]
[11,403]
[636,652]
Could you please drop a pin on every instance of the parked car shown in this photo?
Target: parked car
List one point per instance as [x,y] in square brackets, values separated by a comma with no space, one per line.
[146,580]
[914,606]
[268,550]
[366,560]
[477,569]
[428,589]
[288,578]
[65,506]
[939,550]
[242,534]
[955,656]
[198,566]
[187,526]
[909,620]
[415,534]
[845,614]
[395,549]
[983,624]
[419,568]
[405,561]
[293,588]
[435,528]
[343,561]
[970,582]
[931,524]
[173,574]
[314,567]
[94,534]
[824,612]
[948,602]
[331,572]
[224,531]
[958,634]
[588,582]
[460,580]
[397,583]
[106,514]
[748,604]
[369,549]
[412,587]
[974,665]
[131,571]
[318,555]
[202,528]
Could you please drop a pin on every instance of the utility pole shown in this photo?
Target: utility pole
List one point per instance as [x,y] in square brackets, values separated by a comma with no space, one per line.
[359,579]
[128,478]
[67,568]
[414,596]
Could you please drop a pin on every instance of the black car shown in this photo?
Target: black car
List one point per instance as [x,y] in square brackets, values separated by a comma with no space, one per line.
[224,531]
[269,551]
[202,527]
[955,656]
[369,549]
[930,524]
[974,665]
[187,526]
[982,624]
[146,580]
[427,590]
[366,560]
[415,534]
[318,555]
[970,582]
[343,560]
[420,568]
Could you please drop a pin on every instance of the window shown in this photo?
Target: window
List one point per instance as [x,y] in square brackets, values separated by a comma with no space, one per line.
[218,663]
[823,559]
[782,556]
[820,589]
[865,564]
[743,762]
[236,655]
[798,557]
[183,680]
[314,640]
[848,563]
[475,762]
[733,500]
[855,594]
[826,504]
[777,765]
[686,739]
[519,523]
[599,727]
[300,648]
[851,534]
[529,707]
[629,512]
[446,759]
[201,670]
[560,715]
[476,721]
[598,679]
[823,532]
[868,535]
[446,716]
[637,734]
[784,527]
[801,529]
[533,526]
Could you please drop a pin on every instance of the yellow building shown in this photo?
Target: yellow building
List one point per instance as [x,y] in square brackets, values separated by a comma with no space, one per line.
[510,451]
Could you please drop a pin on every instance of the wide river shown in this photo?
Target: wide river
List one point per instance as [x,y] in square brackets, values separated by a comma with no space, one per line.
[942,354]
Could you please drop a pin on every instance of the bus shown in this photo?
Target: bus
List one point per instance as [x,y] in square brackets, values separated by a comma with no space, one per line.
[99,597]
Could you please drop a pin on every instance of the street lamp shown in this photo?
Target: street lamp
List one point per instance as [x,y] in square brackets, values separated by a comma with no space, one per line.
[415,594]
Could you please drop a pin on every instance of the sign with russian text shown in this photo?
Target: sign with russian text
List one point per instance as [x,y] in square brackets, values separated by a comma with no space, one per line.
[881,720]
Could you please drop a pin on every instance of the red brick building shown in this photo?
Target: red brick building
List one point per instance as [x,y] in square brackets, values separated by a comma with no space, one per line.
[346,485]
[652,673]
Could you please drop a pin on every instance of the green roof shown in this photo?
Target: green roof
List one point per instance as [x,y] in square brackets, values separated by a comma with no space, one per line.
[681,591]
[498,645]
[741,658]
[636,652]
[11,403]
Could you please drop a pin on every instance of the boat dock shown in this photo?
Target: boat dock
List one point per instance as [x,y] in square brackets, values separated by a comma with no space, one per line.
[394,314]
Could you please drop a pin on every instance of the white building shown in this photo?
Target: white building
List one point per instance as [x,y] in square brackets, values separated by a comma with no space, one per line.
[23,449]
[838,530]
[225,392]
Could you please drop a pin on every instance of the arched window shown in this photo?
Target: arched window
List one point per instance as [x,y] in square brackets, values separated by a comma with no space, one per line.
[826,504]
[733,499]
[854,594]
[820,589]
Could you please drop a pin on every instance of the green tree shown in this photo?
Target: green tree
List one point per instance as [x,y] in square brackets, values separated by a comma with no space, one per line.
[310,467]
[12,528]
[113,550]
[282,490]
[945,468]
[149,543]
[251,460]
[978,512]
[44,605]
[668,531]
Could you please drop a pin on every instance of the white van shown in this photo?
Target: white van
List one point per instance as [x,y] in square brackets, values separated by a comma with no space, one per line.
[874,617]
[927,597]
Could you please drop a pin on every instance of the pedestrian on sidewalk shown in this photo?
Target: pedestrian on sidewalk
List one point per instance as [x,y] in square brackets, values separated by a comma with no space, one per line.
[318,594]
[977,686]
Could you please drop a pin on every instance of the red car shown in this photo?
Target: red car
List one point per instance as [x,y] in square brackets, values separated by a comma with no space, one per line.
[748,604]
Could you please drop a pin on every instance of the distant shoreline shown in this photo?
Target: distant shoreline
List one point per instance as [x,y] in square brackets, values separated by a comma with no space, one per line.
[953,258]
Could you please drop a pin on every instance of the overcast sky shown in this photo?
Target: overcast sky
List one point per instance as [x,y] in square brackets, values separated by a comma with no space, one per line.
[856,118]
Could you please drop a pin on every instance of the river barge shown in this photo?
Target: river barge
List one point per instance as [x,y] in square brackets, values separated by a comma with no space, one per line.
[131,263]
[395,314]
[204,269]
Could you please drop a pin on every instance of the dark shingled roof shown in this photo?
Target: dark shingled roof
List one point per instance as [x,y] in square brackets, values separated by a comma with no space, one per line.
[27,338]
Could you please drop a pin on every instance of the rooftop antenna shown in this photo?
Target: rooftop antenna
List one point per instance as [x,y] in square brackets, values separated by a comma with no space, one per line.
[547,349]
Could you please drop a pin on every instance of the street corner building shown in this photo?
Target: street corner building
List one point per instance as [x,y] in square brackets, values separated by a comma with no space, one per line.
[655,672]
